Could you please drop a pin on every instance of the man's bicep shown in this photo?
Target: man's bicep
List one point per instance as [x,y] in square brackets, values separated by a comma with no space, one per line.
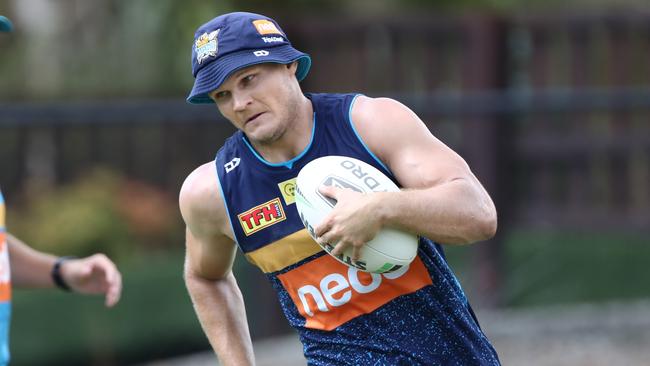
[405,144]
[426,162]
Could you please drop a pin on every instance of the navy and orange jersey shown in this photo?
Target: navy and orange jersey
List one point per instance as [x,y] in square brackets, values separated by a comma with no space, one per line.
[5,288]
[416,315]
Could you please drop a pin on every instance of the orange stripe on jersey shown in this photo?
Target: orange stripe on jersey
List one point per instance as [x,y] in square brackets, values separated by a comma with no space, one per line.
[5,291]
[328,293]
[284,252]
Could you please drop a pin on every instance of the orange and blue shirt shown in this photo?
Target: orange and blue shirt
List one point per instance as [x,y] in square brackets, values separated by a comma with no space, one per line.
[416,315]
[5,288]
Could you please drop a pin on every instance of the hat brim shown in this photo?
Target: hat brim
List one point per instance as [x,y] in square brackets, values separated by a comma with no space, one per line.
[214,74]
[5,24]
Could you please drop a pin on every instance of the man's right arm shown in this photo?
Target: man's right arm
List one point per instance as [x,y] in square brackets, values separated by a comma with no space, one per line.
[210,252]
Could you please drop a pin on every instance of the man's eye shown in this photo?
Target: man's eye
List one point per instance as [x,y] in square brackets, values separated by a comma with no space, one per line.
[249,77]
[220,95]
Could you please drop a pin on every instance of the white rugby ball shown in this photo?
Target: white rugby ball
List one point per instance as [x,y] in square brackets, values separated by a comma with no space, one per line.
[391,249]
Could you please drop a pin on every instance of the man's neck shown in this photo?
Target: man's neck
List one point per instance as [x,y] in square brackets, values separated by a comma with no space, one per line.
[296,138]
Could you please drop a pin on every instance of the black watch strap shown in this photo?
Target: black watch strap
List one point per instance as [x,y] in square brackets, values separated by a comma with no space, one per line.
[56,273]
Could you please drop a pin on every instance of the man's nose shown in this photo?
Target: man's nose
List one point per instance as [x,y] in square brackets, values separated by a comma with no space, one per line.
[240,101]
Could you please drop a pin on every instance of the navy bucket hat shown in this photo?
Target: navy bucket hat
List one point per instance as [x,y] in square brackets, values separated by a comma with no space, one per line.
[233,41]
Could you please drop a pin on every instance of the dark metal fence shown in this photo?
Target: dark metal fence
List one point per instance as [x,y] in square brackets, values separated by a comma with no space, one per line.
[552,114]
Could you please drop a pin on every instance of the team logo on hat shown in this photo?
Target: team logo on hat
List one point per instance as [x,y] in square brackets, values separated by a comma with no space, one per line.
[206,46]
[266,27]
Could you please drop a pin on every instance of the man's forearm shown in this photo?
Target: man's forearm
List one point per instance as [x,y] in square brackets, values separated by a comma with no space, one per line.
[457,212]
[220,308]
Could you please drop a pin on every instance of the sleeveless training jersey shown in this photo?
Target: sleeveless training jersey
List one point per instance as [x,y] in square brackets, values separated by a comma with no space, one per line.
[5,288]
[416,315]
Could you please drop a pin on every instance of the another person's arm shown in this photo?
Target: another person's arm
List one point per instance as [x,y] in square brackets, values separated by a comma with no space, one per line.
[95,274]
[441,198]
[210,252]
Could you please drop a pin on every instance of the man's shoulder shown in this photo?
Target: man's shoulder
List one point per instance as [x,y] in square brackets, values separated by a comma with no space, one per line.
[379,110]
[200,190]
[363,103]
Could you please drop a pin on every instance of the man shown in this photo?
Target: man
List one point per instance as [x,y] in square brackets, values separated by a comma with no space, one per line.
[245,64]
[22,266]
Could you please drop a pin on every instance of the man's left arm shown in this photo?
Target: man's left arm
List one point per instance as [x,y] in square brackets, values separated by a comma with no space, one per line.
[440,197]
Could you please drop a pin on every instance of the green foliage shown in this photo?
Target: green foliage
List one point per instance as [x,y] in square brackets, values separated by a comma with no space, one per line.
[101,212]
[78,219]
[139,227]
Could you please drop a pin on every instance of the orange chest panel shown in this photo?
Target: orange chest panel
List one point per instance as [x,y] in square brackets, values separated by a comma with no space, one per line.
[328,293]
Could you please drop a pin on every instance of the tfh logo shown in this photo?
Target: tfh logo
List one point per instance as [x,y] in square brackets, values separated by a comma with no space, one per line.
[262,216]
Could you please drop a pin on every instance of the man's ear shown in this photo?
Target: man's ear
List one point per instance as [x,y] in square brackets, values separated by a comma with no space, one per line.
[293,66]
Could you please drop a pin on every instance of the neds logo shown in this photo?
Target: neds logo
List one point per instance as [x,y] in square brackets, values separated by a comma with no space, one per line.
[335,289]
[328,293]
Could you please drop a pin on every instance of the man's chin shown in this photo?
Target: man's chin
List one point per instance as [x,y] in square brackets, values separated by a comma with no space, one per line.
[260,136]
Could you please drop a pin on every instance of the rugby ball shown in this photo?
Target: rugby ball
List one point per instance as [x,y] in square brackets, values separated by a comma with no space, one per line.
[391,249]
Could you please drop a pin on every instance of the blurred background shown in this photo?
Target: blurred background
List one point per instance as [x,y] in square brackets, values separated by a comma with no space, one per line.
[547,100]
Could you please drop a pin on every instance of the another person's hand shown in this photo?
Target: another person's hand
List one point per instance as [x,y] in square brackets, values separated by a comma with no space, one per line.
[95,274]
